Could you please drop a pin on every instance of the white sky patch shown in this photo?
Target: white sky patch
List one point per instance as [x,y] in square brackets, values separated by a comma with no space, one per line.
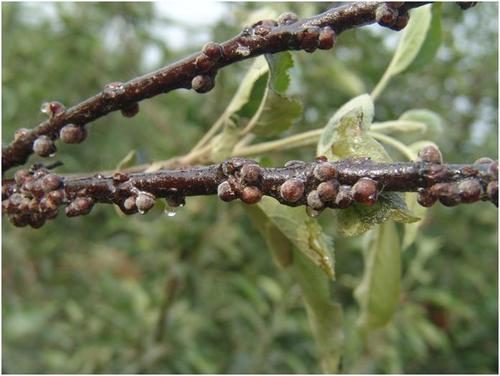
[199,14]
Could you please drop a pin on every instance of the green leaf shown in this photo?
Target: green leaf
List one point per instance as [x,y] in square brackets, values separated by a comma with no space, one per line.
[417,46]
[432,40]
[279,65]
[325,317]
[247,98]
[433,121]
[276,112]
[364,112]
[344,79]
[399,126]
[223,143]
[412,40]
[378,292]
[302,231]
[258,105]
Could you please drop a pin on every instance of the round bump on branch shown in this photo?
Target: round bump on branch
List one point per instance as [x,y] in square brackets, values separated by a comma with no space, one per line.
[324,171]
[327,38]
[39,173]
[80,206]
[287,18]
[264,27]
[21,132]
[435,172]
[130,110]
[51,182]
[129,203]
[20,176]
[212,50]
[113,90]
[385,15]
[56,197]
[430,154]
[73,134]
[203,63]
[292,190]
[35,206]
[447,193]
[46,205]
[226,192]
[314,201]
[426,198]
[52,108]
[36,221]
[32,187]
[251,173]
[492,191]
[16,198]
[44,146]
[19,220]
[365,192]
[327,191]
[144,202]
[484,160]
[401,21]
[344,197]
[469,190]
[7,190]
[251,195]
[119,177]
[493,169]
[202,83]
[309,39]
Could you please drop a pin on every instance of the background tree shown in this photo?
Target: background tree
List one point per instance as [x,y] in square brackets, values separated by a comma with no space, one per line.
[83,303]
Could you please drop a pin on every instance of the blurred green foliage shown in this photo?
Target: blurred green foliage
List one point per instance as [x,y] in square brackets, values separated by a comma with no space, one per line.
[198,292]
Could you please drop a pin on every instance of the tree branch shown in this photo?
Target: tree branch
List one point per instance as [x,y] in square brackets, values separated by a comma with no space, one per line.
[198,71]
[35,195]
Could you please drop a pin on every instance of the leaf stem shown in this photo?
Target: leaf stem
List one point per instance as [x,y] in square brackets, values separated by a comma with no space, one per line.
[405,150]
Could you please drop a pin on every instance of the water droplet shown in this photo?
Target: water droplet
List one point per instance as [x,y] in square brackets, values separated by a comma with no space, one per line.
[170,212]
[52,155]
[142,212]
